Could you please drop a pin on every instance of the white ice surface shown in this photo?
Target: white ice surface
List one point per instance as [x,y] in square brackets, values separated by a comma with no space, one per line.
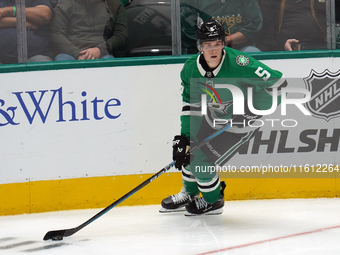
[266,227]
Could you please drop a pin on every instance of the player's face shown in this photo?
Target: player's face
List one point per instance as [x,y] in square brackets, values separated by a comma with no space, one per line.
[212,52]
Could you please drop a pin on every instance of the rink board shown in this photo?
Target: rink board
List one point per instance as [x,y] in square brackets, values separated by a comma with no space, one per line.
[99,192]
[91,134]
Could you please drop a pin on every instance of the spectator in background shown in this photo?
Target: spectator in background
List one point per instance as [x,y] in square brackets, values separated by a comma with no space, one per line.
[337,12]
[126,2]
[241,19]
[88,29]
[293,25]
[38,15]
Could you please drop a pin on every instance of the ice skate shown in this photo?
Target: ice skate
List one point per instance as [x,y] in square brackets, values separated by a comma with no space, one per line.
[201,207]
[177,202]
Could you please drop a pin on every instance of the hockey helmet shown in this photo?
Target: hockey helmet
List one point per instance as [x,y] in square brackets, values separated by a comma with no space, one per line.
[210,30]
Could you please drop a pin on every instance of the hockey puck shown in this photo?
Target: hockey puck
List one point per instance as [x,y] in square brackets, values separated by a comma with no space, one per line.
[57,238]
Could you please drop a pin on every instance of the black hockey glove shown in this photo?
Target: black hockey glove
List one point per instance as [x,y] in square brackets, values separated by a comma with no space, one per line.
[180,151]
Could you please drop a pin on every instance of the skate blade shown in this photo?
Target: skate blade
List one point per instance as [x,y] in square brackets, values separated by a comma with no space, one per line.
[163,210]
[214,212]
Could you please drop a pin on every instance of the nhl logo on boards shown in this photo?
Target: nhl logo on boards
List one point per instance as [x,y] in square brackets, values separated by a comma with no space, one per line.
[325,94]
[242,60]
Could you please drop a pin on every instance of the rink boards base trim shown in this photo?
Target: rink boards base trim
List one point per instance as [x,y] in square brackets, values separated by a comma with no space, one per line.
[155,60]
[99,192]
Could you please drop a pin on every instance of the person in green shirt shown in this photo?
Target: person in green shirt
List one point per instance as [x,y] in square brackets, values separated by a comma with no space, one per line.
[242,21]
[216,64]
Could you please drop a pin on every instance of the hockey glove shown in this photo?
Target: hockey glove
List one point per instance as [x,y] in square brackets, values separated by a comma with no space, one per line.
[180,151]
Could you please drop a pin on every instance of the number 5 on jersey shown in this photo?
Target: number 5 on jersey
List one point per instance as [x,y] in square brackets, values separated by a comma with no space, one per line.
[264,74]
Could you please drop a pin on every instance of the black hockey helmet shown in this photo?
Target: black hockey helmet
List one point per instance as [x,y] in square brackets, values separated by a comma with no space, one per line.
[210,30]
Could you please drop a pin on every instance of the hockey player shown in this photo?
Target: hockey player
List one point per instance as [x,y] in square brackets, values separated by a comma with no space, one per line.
[215,64]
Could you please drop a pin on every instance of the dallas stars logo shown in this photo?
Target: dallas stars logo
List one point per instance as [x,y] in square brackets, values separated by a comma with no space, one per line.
[242,60]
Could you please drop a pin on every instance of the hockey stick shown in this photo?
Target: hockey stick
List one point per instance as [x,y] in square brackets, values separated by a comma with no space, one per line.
[57,235]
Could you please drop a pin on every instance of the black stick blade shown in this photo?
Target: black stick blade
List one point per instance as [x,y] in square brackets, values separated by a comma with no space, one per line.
[55,235]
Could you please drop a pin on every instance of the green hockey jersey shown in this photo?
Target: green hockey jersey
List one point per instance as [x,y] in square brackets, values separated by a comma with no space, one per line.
[237,70]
